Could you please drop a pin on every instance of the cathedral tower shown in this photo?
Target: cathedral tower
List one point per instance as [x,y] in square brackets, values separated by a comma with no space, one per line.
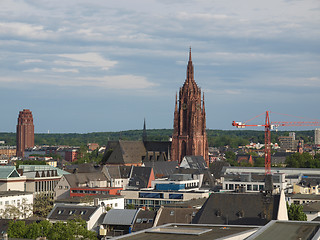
[189,134]
[25,132]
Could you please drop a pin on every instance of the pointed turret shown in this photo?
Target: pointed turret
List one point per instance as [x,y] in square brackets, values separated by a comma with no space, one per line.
[190,76]
[144,133]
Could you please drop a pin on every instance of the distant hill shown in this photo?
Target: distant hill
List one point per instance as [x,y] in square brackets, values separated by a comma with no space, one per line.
[232,138]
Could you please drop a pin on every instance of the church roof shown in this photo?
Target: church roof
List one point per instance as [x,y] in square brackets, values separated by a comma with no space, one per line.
[127,152]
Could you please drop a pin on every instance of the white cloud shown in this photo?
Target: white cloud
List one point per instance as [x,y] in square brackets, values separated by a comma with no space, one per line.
[120,82]
[32,61]
[86,60]
[63,70]
[35,70]
[19,29]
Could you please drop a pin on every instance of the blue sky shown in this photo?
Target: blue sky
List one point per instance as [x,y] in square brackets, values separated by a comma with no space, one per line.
[95,66]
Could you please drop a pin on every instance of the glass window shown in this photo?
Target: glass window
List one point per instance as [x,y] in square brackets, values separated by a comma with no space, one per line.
[255,187]
[175,196]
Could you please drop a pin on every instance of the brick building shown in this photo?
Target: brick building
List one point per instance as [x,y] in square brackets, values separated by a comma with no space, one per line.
[25,132]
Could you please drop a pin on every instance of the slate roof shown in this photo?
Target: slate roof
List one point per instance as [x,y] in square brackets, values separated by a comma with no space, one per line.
[64,212]
[158,146]
[311,207]
[144,220]
[120,217]
[195,162]
[175,215]
[117,171]
[140,177]
[83,178]
[162,168]
[83,168]
[238,209]
[126,152]
[8,172]
[216,168]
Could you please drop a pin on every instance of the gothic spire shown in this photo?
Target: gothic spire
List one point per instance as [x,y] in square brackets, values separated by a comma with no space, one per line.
[190,68]
[144,133]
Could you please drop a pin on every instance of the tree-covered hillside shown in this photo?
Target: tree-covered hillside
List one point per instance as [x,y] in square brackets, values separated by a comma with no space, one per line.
[217,138]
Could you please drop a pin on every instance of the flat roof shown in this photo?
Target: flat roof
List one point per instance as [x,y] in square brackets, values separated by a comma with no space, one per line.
[278,230]
[14,193]
[190,231]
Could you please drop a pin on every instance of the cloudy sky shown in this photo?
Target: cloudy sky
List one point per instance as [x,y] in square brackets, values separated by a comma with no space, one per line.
[94,66]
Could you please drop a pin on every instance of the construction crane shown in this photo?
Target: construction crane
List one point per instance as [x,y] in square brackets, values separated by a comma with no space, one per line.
[268,126]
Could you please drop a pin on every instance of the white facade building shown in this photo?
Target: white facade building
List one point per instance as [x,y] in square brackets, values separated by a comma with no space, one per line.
[19,202]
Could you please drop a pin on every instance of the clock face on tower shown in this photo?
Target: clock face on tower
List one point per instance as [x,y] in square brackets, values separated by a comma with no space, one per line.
[198,106]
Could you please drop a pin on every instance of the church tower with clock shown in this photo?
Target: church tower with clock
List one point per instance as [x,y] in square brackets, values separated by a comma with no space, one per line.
[189,135]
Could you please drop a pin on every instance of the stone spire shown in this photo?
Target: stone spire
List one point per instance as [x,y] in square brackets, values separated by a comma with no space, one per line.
[144,133]
[189,135]
[190,76]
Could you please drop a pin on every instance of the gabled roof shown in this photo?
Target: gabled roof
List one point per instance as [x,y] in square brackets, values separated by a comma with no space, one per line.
[144,220]
[175,215]
[127,152]
[120,217]
[83,168]
[64,212]
[162,168]
[83,178]
[140,177]
[193,162]
[8,172]
[238,209]
[158,146]
[117,171]
[216,168]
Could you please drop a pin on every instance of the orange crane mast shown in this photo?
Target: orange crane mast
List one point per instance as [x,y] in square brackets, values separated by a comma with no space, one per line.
[268,126]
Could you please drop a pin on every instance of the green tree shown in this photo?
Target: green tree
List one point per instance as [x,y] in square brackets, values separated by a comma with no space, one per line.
[259,162]
[302,160]
[33,231]
[17,229]
[295,212]
[42,205]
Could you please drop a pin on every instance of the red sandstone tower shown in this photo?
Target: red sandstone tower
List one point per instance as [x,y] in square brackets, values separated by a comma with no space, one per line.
[189,134]
[25,131]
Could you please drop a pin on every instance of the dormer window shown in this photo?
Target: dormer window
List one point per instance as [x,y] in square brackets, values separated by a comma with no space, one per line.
[240,214]
[60,211]
[218,213]
[72,212]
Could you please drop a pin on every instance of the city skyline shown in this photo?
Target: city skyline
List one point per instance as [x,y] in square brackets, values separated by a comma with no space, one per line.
[83,66]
